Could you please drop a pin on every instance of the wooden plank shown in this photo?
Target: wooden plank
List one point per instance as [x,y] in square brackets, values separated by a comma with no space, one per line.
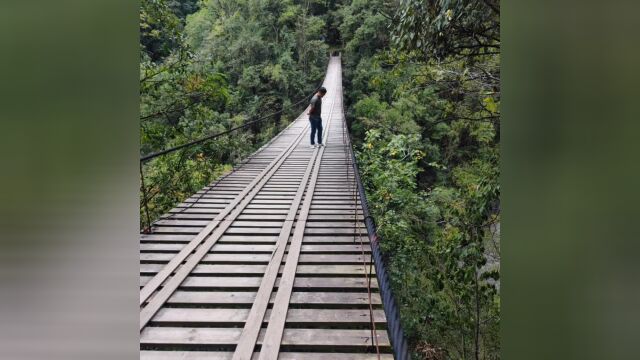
[272,201]
[250,231]
[270,196]
[225,258]
[193,210]
[181,222]
[262,258]
[351,203]
[165,237]
[229,336]
[176,230]
[248,238]
[330,248]
[204,200]
[223,247]
[280,193]
[312,317]
[336,224]
[335,231]
[334,217]
[222,355]
[322,239]
[243,248]
[331,284]
[202,206]
[213,195]
[333,299]
[258,270]
[214,317]
[263,223]
[265,211]
[203,336]
[262,217]
[163,247]
[188,216]
[332,207]
[267,206]
[331,212]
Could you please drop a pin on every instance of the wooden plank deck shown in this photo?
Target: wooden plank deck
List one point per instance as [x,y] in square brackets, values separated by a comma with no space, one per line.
[271,262]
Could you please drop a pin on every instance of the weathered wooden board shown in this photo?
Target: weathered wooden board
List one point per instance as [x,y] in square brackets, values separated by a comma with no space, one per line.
[256,270]
[226,355]
[308,317]
[227,298]
[260,258]
[229,336]
[252,283]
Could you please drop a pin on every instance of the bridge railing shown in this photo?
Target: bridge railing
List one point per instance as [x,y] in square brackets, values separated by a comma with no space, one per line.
[392,312]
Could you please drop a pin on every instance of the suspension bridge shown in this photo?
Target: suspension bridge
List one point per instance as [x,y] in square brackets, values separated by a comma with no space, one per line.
[278,259]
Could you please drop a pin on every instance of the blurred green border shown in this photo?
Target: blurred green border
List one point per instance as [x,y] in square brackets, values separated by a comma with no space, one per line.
[69,179]
[570,179]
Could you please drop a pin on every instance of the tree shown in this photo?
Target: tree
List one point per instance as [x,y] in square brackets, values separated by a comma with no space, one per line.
[443,28]
[159,29]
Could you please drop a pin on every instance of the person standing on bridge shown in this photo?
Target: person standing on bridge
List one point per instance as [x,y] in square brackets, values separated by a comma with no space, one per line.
[315,109]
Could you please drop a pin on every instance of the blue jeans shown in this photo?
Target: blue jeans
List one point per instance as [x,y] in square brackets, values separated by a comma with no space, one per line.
[316,125]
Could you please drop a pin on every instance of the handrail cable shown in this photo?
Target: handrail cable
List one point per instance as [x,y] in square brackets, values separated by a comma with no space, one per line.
[356,232]
[213,136]
[396,333]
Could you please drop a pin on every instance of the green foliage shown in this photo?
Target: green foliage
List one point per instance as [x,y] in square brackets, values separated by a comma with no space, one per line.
[203,72]
[445,28]
[159,29]
[425,112]
[182,8]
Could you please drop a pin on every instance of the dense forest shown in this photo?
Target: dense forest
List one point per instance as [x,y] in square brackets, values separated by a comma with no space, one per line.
[422,90]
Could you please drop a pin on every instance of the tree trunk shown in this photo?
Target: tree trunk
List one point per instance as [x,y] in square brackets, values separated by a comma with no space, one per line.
[477,337]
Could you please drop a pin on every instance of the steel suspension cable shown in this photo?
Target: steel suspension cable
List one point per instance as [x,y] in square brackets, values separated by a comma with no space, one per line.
[396,333]
[148,157]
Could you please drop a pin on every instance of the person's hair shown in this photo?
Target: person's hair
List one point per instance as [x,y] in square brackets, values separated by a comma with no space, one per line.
[322,90]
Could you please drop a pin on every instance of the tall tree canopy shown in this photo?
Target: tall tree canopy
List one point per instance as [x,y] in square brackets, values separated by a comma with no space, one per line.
[424,95]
